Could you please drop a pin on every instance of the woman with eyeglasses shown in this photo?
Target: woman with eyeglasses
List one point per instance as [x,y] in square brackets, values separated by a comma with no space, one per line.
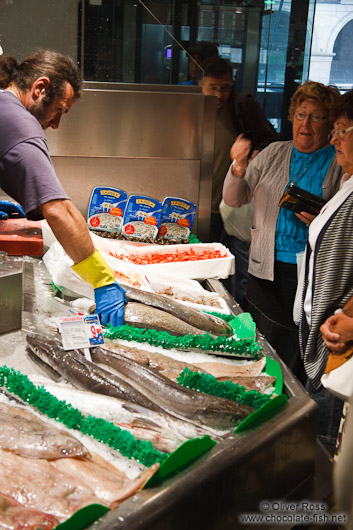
[329,274]
[277,234]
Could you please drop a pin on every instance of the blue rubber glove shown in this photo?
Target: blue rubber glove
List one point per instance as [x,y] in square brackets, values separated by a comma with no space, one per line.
[110,300]
[10,209]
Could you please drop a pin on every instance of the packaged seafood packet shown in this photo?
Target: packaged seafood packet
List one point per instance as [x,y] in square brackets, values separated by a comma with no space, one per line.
[106,209]
[142,218]
[177,219]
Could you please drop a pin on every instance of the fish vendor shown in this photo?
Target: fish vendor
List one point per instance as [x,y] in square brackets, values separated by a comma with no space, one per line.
[34,95]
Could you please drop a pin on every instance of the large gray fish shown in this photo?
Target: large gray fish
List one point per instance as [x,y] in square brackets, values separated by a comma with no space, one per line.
[201,408]
[143,316]
[198,319]
[76,369]
[153,359]
[247,375]
[27,435]
[164,431]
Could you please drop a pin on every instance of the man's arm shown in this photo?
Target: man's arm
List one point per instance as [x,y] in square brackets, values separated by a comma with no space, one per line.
[69,228]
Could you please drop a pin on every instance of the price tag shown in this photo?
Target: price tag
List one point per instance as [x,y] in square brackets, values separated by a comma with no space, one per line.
[81,331]
[94,330]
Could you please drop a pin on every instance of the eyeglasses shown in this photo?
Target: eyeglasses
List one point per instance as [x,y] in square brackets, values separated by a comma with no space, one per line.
[224,88]
[300,116]
[340,133]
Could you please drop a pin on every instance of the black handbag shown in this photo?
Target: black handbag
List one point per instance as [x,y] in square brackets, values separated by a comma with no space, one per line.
[299,200]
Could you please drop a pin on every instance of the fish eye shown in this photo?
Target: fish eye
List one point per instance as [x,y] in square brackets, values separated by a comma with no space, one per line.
[65,450]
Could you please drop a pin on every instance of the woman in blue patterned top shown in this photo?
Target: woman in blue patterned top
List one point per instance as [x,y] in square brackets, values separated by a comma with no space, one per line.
[278,235]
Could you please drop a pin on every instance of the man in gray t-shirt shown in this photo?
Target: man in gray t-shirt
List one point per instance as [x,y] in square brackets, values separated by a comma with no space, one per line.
[26,171]
[34,95]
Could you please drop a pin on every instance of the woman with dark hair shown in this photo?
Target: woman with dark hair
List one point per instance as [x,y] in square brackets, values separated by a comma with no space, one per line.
[278,234]
[329,274]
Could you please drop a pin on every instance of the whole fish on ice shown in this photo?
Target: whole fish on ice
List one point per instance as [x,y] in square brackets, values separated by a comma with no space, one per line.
[108,483]
[153,359]
[27,435]
[205,409]
[247,375]
[15,516]
[143,316]
[198,319]
[42,485]
[164,431]
[76,369]
[138,384]
[218,369]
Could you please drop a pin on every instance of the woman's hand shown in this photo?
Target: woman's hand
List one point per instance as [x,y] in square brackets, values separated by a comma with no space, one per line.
[240,151]
[306,217]
[337,331]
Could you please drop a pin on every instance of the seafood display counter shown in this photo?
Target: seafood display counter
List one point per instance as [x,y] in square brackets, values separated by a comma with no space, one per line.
[272,460]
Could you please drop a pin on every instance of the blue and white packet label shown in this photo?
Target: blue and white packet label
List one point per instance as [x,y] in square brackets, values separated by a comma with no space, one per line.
[177,219]
[106,209]
[142,217]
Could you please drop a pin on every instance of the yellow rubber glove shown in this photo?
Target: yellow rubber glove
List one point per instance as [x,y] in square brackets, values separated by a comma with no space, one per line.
[94,270]
[109,295]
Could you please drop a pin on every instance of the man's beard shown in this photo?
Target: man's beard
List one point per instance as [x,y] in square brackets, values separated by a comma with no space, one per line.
[40,111]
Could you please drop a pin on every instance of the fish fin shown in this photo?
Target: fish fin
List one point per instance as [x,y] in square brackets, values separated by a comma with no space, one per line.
[135,408]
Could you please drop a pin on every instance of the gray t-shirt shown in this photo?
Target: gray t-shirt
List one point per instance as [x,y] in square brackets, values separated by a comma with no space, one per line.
[26,170]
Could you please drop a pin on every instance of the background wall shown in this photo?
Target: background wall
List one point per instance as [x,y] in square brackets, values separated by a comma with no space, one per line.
[26,25]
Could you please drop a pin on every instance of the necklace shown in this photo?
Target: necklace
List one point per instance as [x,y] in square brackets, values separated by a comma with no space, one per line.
[292,180]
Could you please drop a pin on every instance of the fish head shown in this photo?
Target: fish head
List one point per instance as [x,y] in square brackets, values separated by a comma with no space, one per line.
[42,347]
[72,448]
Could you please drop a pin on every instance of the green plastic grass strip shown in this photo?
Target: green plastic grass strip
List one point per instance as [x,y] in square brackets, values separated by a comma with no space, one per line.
[193,239]
[223,316]
[246,348]
[83,517]
[265,405]
[210,385]
[102,430]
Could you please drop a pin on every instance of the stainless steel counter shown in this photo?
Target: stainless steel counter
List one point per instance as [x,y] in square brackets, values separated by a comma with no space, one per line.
[273,461]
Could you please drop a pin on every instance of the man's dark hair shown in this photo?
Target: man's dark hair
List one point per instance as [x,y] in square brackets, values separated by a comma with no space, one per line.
[204,49]
[57,67]
[216,67]
[344,106]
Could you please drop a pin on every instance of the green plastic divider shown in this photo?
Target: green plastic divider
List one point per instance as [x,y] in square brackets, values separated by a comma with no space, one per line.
[264,413]
[83,517]
[181,457]
[244,327]
[273,368]
[270,408]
